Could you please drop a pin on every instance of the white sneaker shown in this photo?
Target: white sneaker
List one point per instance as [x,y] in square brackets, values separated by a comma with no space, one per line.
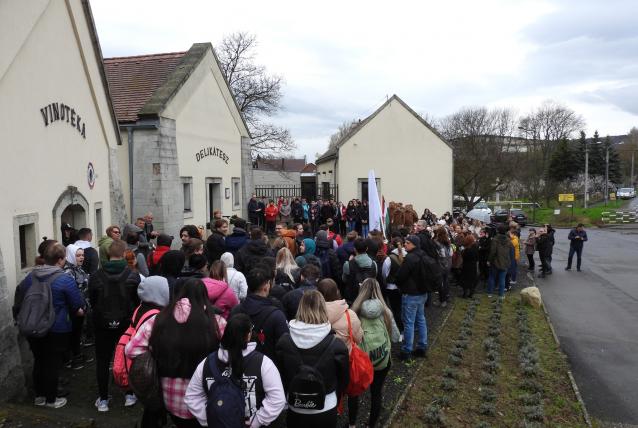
[59,402]
[130,400]
[513,282]
[102,405]
[40,401]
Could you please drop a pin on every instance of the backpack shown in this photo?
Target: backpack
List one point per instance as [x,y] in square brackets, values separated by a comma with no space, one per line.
[356,276]
[121,364]
[144,381]
[113,305]
[326,268]
[431,275]
[376,342]
[361,370]
[36,315]
[226,404]
[307,389]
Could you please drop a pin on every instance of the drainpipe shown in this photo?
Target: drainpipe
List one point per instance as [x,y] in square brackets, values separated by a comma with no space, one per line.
[130,171]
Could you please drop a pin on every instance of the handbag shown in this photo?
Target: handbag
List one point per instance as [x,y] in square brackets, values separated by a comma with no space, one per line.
[361,370]
[144,381]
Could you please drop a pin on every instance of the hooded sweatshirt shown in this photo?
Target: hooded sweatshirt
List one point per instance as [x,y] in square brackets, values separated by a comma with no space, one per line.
[71,267]
[103,248]
[254,251]
[221,295]
[337,317]
[272,405]
[236,280]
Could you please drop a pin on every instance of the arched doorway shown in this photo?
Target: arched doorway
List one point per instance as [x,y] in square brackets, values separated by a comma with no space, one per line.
[72,208]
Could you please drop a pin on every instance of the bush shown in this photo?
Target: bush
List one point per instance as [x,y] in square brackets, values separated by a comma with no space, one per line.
[534,413]
[458,352]
[448,384]
[490,343]
[487,394]
[490,366]
[488,378]
[443,400]
[531,399]
[483,424]
[451,372]
[454,360]
[492,355]
[487,409]
[532,386]
[463,344]
[434,416]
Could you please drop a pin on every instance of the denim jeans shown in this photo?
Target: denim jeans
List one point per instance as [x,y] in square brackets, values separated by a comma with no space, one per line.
[364,230]
[579,254]
[513,270]
[350,226]
[494,275]
[413,315]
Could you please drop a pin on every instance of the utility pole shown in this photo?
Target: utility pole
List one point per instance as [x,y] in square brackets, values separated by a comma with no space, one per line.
[633,152]
[606,174]
[586,174]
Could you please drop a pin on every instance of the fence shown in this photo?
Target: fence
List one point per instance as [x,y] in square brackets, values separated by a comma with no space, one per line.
[310,192]
[619,217]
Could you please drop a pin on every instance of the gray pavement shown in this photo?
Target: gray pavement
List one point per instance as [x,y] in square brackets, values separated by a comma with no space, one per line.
[595,314]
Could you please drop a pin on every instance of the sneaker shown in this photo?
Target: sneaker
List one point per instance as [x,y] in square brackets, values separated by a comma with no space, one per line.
[40,401]
[59,402]
[489,296]
[102,405]
[568,268]
[130,400]
[512,283]
[420,353]
[444,304]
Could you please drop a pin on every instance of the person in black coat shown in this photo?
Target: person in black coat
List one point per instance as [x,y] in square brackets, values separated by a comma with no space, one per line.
[308,281]
[330,266]
[469,269]
[216,242]
[254,251]
[312,343]
[544,248]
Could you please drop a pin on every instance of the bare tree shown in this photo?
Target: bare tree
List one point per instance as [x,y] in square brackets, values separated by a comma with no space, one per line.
[543,129]
[344,129]
[258,94]
[484,150]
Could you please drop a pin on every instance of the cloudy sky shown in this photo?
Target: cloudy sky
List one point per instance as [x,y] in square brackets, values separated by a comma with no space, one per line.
[341,59]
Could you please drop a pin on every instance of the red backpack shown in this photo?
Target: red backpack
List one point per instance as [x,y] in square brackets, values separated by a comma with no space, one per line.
[122,364]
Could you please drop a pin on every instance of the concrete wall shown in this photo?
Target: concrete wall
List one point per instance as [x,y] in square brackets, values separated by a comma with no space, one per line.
[327,172]
[413,164]
[248,183]
[276,178]
[47,57]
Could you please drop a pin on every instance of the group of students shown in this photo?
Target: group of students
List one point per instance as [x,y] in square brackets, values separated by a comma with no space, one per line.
[266,213]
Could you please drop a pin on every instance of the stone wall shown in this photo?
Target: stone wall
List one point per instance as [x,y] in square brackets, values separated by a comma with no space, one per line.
[11,373]
[156,182]
[118,205]
[248,180]
[276,178]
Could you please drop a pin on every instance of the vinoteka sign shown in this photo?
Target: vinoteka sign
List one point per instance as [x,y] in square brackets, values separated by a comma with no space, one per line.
[61,112]
[211,151]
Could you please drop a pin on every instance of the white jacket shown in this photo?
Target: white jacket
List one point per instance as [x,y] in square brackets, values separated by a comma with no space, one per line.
[237,282]
[272,405]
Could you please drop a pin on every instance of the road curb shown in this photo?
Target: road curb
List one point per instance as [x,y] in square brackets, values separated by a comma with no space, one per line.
[569,371]
[408,387]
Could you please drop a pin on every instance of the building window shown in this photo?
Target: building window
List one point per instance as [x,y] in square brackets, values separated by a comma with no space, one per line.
[187,188]
[25,240]
[236,193]
[363,188]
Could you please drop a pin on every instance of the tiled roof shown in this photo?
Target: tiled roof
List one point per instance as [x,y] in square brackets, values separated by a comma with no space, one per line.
[280,164]
[309,168]
[134,79]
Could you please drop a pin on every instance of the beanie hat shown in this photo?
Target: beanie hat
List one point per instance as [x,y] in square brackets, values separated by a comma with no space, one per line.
[154,289]
[310,246]
[414,239]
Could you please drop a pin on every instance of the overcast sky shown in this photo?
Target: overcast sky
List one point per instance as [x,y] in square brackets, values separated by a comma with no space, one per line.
[340,59]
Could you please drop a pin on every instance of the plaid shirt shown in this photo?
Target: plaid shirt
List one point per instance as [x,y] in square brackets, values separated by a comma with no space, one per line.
[173,389]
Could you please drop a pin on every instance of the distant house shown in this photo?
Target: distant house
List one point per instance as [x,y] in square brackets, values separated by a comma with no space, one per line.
[413,163]
[287,177]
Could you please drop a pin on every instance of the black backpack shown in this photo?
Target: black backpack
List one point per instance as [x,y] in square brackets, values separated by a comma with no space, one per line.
[307,389]
[431,274]
[356,275]
[326,268]
[114,304]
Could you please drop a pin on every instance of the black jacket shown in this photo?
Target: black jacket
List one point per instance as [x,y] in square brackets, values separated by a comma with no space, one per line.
[283,283]
[100,280]
[266,315]
[215,246]
[292,298]
[410,278]
[428,245]
[251,253]
[335,368]
[544,245]
[327,211]
[91,261]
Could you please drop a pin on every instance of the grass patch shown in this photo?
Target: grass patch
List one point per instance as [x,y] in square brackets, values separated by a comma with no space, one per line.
[487,387]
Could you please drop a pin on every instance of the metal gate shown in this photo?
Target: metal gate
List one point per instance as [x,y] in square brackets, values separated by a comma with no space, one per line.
[294,191]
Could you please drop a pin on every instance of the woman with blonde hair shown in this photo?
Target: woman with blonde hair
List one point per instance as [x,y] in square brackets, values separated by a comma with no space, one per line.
[378,328]
[287,276]
[310,347]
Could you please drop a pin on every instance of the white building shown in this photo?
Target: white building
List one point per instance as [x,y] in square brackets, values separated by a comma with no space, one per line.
[186,147]
[58,131]
[412,161]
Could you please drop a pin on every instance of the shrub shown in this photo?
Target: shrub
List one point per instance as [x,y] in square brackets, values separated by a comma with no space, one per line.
[488,378]
[534,413]
[483,424]
[487,409]
[448,384]
[458,352]
[490,366]
[532,386]
[434,416]
[462,344]
[490,343]
[443,400]
[451,372]
[494,332]
[454,360]
[487,394]
[531,399]
[492,355]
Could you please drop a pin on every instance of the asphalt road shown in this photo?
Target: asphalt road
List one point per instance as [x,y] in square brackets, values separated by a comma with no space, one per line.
[595,314]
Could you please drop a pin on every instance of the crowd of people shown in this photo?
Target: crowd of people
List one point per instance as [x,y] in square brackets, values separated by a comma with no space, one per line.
[274,310]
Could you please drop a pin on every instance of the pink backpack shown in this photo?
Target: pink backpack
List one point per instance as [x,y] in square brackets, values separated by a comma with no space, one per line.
[121,364]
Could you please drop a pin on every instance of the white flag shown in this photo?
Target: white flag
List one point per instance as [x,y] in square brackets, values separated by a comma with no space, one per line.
[374,205]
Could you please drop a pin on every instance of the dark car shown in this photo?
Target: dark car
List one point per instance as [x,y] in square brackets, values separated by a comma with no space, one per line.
[519,217]
[500,216]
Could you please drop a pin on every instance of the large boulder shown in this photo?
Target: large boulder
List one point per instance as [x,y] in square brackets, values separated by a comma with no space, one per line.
[531,296]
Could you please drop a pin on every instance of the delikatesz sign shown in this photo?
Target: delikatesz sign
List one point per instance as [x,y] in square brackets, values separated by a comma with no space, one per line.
[61,112]
[211,151]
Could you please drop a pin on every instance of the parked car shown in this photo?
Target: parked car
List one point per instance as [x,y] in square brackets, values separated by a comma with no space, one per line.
[626,193]
[483,206]
[519,216]
[500,216]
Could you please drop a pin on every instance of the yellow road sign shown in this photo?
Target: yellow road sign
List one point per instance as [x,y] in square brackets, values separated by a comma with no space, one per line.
[566,197]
